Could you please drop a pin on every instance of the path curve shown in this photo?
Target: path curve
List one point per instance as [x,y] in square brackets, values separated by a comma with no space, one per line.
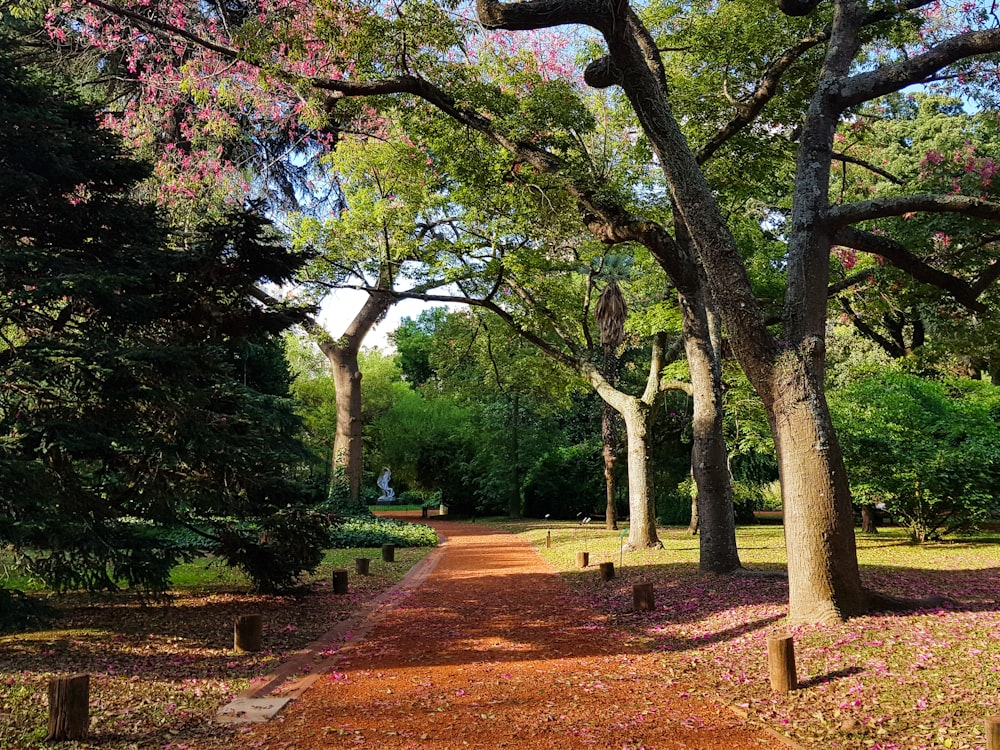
[493,650]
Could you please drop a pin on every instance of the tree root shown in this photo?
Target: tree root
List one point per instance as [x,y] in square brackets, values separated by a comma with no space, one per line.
[879,602]
[640,547]
[752,573]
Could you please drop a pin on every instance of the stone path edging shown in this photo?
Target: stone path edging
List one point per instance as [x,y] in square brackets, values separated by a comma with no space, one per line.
[263,702]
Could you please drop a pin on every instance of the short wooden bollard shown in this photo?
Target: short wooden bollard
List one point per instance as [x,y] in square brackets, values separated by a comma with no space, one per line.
[781,663]
[340,581]
[642,597]
[69,708]
[361,565]
[993,733]
[607,571]
[248,633]
[548,539]
[582,559]
[388,552]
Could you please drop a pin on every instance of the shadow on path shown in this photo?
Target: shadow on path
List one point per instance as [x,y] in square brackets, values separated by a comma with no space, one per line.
[494,650]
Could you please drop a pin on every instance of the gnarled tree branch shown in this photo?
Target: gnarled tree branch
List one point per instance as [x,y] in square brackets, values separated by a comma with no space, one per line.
[886,79]
[880,208]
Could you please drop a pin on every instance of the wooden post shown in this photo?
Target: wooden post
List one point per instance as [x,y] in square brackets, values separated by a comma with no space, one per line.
[781,663]
[993,733]
[642,597]
[69,708]
[248,633]
[548,539]
[340,581]
[361,565]
[582,559]
[607,571]
[388,552]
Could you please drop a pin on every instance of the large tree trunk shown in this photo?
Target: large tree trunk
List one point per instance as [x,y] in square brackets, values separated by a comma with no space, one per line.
[823,578]
[342,354]
[347,455]
[868,523]
[638,418]
[709,460]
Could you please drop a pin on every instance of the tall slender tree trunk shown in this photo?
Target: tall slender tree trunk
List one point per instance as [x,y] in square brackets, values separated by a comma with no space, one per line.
[347,453]
[342,354]
[709,460]
[514,499]
[609,438]
[638,418]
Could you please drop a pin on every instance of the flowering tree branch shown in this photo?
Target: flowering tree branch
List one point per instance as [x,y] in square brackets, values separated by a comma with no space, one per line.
[899,256]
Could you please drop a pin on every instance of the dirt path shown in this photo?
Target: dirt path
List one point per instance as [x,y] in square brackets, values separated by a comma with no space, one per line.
[494,651]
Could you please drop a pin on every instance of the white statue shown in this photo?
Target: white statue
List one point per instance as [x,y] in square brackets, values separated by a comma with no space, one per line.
[388,493]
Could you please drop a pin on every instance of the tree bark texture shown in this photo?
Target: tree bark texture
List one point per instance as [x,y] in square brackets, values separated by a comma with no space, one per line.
[868,523]
[825,584]
[69,708]
[709,459]
[786,372]
[823,578]
[642,502]
[638,415]
[609,438]
[342,354]
[347,446]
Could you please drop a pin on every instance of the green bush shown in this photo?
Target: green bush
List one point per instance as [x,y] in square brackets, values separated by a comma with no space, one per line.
[770,497]
[747,497]
[929,450]
[106,554]
[276,553]
[674,508]
[422,498]
[566,482]
[368,531]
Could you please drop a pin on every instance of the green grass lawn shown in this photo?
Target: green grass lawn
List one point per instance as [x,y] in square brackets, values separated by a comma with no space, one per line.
[914,681]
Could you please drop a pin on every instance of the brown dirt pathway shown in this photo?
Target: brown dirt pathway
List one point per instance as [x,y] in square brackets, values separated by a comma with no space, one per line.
[493,650]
